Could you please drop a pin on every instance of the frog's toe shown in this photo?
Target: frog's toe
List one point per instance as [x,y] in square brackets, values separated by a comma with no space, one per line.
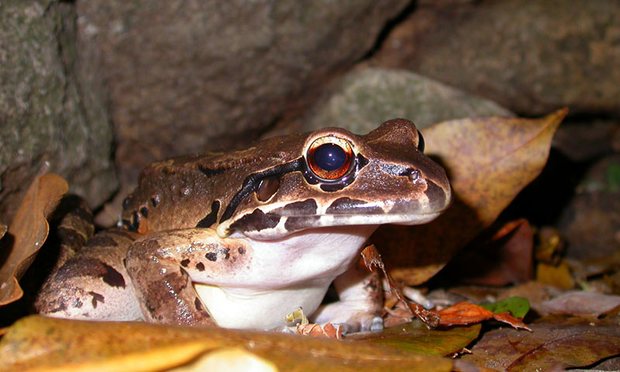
[362,323]
[377,324]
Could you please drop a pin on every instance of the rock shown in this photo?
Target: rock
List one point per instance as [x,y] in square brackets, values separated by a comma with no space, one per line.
[367,97]
[43,116]
[591,222]
[189,76]
[530,56]
[587,140]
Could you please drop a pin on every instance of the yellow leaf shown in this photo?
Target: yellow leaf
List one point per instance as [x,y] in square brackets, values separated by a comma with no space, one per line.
[557,276]
[37,342]
[230,360]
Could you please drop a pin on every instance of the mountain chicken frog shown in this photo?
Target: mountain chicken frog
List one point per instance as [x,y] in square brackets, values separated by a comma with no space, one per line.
[241,239]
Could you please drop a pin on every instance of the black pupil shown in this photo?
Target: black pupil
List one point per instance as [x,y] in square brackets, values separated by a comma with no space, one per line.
[330,157]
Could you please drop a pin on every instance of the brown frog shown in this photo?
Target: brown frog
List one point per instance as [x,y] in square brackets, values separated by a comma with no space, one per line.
[241,239]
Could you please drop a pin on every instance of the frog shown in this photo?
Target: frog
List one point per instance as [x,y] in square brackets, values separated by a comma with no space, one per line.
[241,239]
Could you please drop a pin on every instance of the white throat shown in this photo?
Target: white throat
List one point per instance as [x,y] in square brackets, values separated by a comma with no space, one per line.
[284,274]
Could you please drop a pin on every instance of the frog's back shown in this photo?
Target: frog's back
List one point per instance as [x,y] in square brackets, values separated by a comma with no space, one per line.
[194,191]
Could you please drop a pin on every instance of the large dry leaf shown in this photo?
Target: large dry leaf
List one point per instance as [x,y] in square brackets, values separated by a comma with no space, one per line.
[28,232]
[552,344]
[61,344]
[489,160]
[418,338]
[581,303]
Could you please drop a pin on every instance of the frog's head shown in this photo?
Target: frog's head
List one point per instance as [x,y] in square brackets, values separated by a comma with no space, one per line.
[332,177]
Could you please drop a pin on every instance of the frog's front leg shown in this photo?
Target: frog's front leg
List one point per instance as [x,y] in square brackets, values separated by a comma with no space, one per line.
[164,266]
[360,302]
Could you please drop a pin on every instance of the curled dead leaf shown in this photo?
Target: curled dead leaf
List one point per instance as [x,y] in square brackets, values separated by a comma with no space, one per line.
[28,231]
[327,330]
[465,313]
[489,160]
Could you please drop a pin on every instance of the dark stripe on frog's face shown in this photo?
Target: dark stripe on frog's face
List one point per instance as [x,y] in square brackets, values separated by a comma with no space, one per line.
[346,205]
[256,221]
[307,208]
[253,181]
[210,218]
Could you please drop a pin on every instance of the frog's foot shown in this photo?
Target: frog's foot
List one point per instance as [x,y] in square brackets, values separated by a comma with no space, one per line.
[360,305]
[351,316]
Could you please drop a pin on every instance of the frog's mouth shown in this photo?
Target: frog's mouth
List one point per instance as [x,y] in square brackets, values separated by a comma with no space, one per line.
[281,220]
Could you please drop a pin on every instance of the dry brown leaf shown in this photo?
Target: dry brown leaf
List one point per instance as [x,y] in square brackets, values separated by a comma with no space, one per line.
[46,343]
[489,160]
[28,232]
[580,303]
[327,330]
[465,313]
[553,344]
[2,230]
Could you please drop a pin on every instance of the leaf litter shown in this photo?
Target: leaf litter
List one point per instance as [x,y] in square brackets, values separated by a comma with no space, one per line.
[28,232]
[511,150]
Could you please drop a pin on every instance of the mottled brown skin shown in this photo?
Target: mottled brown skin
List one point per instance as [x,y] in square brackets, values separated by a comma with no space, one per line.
[208,220]
[180,192]
[93,280]
[171,298]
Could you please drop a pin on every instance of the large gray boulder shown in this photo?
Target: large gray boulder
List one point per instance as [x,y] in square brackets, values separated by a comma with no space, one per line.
[366,97]
[530,56]
[185,76]
[44,117]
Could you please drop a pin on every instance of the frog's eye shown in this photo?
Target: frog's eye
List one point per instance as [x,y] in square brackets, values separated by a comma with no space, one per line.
[330,158]
[420,142]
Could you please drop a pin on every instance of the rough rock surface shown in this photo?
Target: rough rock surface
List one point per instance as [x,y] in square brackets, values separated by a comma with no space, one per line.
[43,116]
[530,56]
[591,222]
[184,76]
[367,97]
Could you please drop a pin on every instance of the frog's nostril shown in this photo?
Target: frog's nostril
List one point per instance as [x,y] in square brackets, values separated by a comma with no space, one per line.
[414,175]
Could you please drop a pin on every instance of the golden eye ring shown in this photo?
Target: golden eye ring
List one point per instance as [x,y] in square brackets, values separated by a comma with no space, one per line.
[330,158]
